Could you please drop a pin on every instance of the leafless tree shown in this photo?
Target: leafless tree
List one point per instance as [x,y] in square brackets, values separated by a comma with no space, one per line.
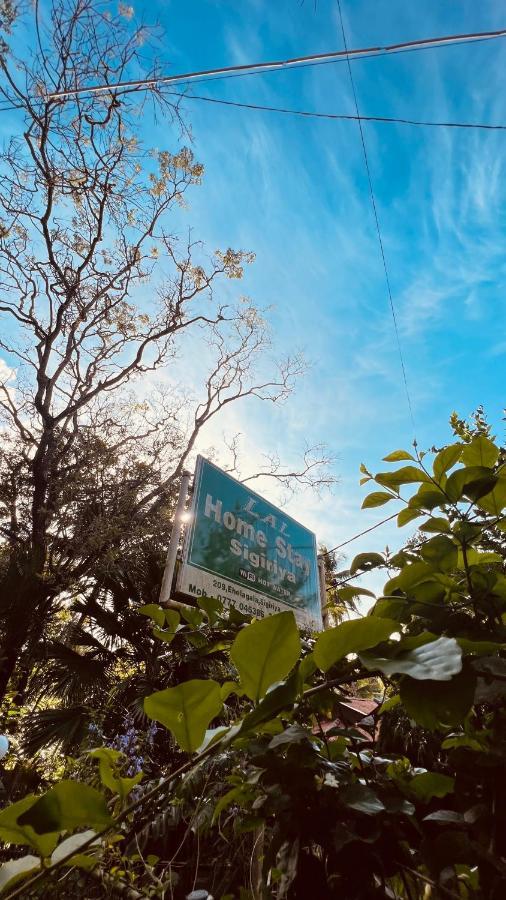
[96,295]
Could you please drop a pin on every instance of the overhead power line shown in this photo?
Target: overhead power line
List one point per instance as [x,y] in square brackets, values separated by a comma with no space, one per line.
[389,120]
[359,535]
[378,227]
[293,62]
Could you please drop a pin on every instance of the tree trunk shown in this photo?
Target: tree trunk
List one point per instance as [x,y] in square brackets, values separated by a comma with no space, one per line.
[23,595]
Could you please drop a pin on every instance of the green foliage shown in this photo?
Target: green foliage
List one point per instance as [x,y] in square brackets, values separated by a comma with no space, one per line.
[109,767]
[439,705]
[68,805]
[264,652]
[13,832]
[350,637]
[186,710]
[16,870]
[387,805]
[427,785]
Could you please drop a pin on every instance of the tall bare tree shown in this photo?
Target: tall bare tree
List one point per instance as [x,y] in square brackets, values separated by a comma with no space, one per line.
[96,295]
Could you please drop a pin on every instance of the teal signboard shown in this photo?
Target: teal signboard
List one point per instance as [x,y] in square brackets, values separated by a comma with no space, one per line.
[247,552]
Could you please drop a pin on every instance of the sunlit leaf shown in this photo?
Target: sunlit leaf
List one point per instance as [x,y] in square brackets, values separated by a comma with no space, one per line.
[68,805]
[350,637]
[377,498]
[265,651]
[398,456]
[481,451]
[16,870]
[365,561]
[155,612]
[446,459]
[435,524]
[431,784]
[186,710]
[12,832]
[407,515]
[436,660]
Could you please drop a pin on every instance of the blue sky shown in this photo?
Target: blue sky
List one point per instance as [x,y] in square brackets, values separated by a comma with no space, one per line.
[295,192]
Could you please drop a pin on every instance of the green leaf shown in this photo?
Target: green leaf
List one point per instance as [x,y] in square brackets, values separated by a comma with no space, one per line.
[440,551]
[166,636]
[448,816]
[390,608]
[307,668]
[377,498]
[412,574]
[407,515]
[16,870]
[294,734]
[435,524]
[463,740]
[446,459]
[280,697]
[495,501]
[13,833]
[230,687]
[72,845]
[439,704]
[404,475]
[110,776]
[212,736]
[480,452]
[366,561]
[265,651]
[362,798]
[68,805]
[437,660]
[173,619]
[431,784]
[212,608]
[398,456]
[457,482]
[192,615]
[351,637]
[475,558]
[389,704]
[107,761]
[186,710]
[154,612]
[427,498]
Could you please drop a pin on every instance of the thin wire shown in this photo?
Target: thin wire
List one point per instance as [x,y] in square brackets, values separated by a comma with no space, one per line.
[339,116]
[293,62]
[332,62]
[360,534]
[376,218]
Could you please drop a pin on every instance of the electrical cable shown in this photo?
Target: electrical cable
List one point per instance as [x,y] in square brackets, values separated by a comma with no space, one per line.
[340,116]
[332,62]
[360,534]
[294,62]
[378,228]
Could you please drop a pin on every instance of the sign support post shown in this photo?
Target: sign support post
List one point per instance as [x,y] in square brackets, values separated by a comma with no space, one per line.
[323,591]
[170,562]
